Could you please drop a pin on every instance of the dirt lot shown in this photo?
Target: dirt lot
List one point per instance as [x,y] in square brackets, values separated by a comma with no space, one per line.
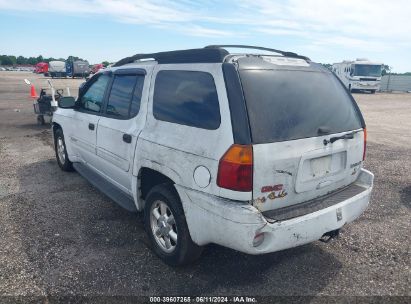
[59,236]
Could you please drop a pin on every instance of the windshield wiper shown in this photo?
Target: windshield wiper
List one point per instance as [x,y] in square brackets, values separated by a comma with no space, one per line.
[334,139]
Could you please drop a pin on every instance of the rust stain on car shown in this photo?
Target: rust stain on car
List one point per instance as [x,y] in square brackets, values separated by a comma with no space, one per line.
[281,194]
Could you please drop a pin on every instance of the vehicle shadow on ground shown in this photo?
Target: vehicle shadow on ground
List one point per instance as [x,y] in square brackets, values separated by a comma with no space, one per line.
[80,242]
[405,196]
[34,126]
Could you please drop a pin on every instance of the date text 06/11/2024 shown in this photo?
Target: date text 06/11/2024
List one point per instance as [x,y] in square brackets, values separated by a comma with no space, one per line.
[203,299]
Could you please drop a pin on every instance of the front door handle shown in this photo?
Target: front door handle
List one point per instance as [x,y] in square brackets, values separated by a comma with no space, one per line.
[127,138]
[91,126]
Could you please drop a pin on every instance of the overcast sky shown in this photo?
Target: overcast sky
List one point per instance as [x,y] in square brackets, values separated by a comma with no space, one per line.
[326,31]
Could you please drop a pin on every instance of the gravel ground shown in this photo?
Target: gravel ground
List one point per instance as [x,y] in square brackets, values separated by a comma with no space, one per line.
[59,236]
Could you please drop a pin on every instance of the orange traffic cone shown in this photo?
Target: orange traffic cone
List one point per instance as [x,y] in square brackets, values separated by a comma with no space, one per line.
[33,93]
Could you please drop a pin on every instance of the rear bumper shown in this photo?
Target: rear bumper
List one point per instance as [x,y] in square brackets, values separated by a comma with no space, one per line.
[365,86]
[233,224]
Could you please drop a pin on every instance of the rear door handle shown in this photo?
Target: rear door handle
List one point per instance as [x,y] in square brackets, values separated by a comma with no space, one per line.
[91,126]
[127,138]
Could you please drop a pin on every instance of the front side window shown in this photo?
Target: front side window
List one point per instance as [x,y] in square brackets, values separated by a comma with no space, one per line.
[187,98]
[92,99]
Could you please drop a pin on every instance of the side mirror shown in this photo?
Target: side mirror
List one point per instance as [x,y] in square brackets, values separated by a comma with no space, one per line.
[67,102]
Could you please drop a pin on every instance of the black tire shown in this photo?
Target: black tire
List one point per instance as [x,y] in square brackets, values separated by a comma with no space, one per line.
[64,163]
[372,91]
[40,120]
[185,251]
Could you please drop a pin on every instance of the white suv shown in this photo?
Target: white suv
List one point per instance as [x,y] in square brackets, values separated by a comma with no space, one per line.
[254,152]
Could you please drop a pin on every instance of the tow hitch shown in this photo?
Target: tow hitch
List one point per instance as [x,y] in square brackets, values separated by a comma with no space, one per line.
[330,235]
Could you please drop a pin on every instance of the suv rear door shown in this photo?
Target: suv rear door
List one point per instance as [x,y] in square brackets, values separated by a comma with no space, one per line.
[293,114]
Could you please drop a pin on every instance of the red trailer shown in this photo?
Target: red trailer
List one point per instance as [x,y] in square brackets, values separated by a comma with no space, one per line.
[96,68]
[41,68]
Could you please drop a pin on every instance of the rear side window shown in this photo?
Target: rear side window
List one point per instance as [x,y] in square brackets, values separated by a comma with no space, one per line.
[286,105]
[125,96]
[187,98]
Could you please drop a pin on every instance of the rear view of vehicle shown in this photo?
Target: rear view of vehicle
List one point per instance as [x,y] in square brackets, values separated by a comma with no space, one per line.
[293,174]
[307,141]
[78,68]
[57,69]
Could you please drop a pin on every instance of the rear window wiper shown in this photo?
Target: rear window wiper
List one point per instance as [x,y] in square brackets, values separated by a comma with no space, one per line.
[334,139]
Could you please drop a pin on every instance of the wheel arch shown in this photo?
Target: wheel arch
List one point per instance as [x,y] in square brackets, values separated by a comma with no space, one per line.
[149,175]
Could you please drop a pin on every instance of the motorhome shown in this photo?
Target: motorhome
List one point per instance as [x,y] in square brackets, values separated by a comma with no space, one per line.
[361,74]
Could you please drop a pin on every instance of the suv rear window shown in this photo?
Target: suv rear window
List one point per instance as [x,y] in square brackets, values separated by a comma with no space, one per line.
[292,104]
[187,98]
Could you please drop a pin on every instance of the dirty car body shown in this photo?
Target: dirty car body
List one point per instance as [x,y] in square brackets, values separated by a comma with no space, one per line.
[262,152]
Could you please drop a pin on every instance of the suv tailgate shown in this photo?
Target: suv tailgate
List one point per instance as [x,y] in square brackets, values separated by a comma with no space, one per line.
[294,112]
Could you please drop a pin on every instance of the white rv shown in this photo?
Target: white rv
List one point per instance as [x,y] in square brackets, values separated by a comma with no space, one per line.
[360,74]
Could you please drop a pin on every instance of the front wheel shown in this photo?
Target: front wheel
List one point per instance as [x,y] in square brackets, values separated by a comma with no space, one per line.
[165,223]
[61,152]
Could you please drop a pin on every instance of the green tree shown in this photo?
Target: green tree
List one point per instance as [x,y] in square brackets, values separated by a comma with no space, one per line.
[13,59]
[21,60]
[105,63]
[327,65]
[74,58]
[32,60]
[386,69]
[6,60]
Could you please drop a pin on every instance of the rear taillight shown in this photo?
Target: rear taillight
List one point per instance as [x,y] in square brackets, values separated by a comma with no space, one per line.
[365,144]
[235,170]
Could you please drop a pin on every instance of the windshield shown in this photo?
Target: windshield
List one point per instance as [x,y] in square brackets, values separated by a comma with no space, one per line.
[286,105]
[367,70]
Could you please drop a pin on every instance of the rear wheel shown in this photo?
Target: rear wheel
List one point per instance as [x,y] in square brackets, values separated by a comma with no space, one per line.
[166,226]
[61,152]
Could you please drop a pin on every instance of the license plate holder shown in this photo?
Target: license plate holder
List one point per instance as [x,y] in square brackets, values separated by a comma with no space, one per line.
[320,166]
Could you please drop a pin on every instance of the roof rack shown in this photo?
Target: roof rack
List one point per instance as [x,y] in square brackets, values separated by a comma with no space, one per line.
[203,55]
[208,54]
[284,53]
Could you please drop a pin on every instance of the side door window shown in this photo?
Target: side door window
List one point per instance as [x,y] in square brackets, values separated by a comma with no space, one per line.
[92,99]
[125,96]
[187,98]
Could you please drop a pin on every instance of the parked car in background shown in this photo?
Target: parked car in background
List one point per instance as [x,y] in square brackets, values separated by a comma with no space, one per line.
[41,68]
[255,152]
[78,68]
[57,69]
